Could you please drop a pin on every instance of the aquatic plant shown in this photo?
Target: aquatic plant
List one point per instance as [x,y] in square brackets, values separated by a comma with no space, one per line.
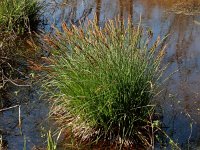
[8,58]
[51,144]
[102,81]
[1,142]
[19,15]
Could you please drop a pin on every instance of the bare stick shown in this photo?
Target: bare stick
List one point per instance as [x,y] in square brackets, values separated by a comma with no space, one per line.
[5,109]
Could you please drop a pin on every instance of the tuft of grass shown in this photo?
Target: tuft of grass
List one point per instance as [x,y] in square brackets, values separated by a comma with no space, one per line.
[1,142]
[103,81]
[51,144]
[19,15]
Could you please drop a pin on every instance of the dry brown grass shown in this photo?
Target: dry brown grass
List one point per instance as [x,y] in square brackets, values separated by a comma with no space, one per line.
[186,8]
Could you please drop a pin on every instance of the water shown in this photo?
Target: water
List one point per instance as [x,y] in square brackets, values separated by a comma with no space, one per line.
[181,98]
[33,114]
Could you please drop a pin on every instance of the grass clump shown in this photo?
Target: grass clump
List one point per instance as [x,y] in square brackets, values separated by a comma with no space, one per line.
[51,144]
[103,81]
[19,15]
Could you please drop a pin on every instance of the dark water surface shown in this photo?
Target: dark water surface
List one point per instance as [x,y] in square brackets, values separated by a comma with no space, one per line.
[181,98]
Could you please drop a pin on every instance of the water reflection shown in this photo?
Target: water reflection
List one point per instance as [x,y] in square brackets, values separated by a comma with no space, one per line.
[183,53]
[15,76]
[34,114]
[79,10]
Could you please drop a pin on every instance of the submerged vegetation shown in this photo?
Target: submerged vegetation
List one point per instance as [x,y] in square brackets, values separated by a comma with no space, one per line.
[103,81]
[16,18]
[19,15]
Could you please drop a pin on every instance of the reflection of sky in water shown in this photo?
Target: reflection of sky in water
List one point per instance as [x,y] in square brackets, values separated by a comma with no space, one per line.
[34,114]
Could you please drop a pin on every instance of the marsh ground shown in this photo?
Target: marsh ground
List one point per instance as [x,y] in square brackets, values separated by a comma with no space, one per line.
[181,101]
